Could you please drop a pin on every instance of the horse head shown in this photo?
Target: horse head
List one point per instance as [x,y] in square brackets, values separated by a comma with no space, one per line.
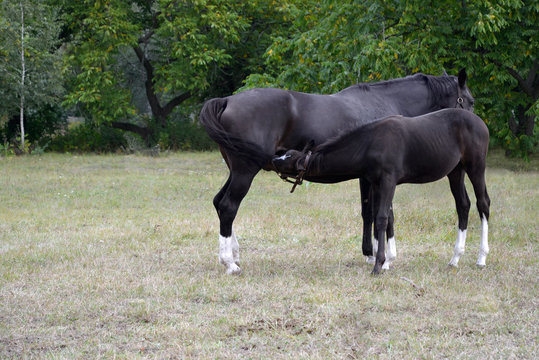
[292,162]
[463,98]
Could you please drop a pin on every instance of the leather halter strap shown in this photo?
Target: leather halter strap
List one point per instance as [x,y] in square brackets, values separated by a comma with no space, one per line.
[299,177]
[460,99]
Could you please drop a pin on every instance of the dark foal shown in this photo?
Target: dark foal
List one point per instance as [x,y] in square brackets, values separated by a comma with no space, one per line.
[398,150]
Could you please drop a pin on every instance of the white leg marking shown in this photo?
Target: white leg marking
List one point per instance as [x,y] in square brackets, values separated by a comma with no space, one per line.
[226,254]
[372,259]
[235,249]
[391,253]
[483,249]
[459,248]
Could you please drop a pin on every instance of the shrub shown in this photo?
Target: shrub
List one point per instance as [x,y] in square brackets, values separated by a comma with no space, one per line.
[185,135]
[86,137]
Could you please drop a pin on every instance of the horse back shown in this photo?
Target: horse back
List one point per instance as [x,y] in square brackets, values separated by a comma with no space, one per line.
[278,119]
[433,144]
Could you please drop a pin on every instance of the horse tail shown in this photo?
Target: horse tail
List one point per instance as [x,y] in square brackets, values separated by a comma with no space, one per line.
[210,117]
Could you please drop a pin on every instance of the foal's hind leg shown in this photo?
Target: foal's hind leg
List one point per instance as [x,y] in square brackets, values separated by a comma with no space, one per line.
[462,201]
[477,177]
[367,245]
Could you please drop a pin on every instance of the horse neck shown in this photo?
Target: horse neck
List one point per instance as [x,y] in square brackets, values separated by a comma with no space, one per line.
[410,96]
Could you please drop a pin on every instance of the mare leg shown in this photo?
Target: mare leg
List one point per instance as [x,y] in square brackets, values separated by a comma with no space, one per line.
[477,177]
[227,202]
[382,197]
[462,201]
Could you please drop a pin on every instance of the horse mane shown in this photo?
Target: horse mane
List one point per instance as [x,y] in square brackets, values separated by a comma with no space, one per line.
[438,86]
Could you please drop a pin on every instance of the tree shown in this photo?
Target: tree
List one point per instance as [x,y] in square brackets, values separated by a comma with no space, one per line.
[29,58]
[338,43]
[185,51]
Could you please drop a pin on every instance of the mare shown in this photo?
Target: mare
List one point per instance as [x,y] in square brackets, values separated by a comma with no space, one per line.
[396,150]
[252,126]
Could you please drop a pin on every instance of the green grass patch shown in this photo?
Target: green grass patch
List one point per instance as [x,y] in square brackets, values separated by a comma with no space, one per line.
[116,257]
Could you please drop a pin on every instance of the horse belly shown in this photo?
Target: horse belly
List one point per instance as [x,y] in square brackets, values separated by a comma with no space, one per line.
[429,166]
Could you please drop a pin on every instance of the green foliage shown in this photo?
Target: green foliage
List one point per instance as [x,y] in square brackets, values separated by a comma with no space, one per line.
[88,137]
[42,84]
[333,44]
[178,45]
[185,135]
[44,124]
[100,30]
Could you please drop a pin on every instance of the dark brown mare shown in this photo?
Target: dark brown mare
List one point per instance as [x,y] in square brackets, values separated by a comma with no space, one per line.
[398,150]
[252,126]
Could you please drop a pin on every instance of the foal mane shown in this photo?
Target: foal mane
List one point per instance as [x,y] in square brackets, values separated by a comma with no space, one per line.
[342,138]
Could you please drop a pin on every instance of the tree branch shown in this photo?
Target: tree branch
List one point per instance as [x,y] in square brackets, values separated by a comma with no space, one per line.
[521,82]
[144,39]
[175,102]
[153,100]
[145,133]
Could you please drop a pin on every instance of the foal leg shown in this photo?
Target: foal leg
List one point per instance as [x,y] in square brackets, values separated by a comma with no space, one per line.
[227,203]
[462,201]
[382,196]
[391,253]
[483,206]
[368,247]
[371,247]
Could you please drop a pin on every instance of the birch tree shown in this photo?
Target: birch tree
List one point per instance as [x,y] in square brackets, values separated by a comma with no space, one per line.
[29,59]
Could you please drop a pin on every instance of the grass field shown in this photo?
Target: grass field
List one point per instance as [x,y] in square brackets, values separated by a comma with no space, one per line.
[116,257]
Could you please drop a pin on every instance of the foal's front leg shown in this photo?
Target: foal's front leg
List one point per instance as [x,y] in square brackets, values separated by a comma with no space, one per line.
[369,247]
[382,196]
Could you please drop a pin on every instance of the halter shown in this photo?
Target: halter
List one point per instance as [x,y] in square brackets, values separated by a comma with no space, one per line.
[460,100]
[299,176]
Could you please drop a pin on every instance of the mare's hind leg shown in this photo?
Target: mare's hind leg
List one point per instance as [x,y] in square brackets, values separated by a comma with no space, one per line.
[462,201]
[227,202]
[477,177]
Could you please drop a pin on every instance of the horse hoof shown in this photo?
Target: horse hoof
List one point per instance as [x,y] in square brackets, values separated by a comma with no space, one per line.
[481,266]
[233,269]
[371,260]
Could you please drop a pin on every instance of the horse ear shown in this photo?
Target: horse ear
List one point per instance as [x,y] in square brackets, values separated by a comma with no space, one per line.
[462,78]
[309,146]
[445,73]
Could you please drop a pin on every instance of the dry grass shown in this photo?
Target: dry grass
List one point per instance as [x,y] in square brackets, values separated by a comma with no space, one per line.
[116,257]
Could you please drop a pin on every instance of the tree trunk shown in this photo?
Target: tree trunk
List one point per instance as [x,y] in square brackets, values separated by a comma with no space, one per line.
[23,75]
[145,133]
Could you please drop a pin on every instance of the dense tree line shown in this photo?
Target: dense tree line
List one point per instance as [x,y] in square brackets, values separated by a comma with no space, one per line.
[146,66]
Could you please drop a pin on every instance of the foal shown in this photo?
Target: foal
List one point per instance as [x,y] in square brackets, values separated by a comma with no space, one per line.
[398,150]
